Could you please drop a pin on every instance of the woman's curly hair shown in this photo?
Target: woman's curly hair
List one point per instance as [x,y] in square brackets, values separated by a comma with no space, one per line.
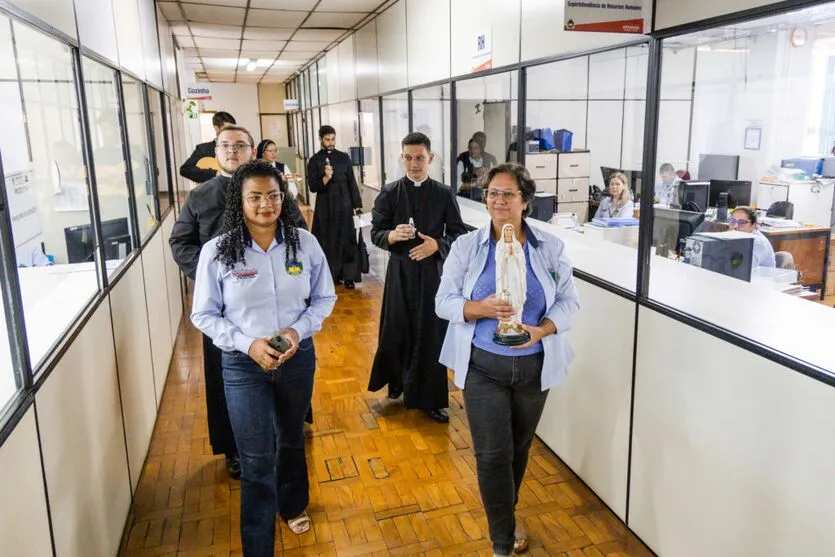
[235,234]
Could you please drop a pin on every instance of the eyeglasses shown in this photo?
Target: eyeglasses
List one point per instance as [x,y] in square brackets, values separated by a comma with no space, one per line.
[255,201]
[239,146]
[508,196]
[739,222]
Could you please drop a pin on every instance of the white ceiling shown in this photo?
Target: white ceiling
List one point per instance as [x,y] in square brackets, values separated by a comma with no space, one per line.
[219,37]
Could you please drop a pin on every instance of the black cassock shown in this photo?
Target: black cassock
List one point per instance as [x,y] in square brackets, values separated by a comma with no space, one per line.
[411,333]
[333,218]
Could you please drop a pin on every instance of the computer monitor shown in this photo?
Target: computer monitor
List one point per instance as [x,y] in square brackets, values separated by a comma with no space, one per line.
[360,156]
[718,167]
[694,196]
[81,242]
[670,227]
[739,192]
[607,173]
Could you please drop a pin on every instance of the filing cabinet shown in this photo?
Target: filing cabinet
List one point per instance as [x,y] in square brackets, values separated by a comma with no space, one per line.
[566,176]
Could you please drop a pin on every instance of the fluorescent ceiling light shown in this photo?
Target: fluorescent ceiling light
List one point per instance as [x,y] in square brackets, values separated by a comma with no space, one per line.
[250,66]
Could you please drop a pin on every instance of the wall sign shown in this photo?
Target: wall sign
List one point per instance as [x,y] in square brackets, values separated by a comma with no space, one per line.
[291,105]
[199,92]
[605,16]
[483,51]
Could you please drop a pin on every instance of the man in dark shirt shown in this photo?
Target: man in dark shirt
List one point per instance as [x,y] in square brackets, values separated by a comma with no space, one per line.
[200,220]
[330,176]
[202,166]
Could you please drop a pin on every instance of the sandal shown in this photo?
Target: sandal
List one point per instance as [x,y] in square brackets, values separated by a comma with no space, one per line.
[300,524]
[520,544]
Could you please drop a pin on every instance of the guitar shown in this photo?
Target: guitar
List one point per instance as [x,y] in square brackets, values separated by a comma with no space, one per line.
[208,163]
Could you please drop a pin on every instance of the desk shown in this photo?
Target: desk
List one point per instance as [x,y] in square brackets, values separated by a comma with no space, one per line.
[809,245]
[623,235]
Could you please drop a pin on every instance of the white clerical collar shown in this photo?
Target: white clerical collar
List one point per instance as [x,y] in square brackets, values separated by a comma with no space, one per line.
[416,183]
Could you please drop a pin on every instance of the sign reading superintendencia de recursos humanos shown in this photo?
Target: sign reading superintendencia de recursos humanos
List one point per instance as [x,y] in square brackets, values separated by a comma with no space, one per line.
[614,16]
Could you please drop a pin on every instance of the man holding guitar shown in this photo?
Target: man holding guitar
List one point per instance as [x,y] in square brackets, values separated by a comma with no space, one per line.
[202,165]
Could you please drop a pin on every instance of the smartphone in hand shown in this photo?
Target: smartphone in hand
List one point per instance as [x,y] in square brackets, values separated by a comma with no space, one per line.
[278,342]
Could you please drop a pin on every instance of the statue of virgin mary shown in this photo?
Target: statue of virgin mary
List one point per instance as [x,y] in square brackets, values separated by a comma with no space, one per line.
[511,286]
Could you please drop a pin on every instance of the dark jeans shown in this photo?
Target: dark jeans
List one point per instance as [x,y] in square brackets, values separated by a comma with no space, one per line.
[504,402]
[267,409]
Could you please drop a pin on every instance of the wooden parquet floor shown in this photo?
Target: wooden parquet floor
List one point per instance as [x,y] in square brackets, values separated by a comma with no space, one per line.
[384,481]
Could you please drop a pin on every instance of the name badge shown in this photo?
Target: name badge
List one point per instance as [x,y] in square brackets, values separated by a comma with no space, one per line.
[245,274]
[294,268]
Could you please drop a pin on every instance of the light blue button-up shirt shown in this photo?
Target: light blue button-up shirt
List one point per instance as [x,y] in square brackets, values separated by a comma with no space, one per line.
[253,300]
[463,266]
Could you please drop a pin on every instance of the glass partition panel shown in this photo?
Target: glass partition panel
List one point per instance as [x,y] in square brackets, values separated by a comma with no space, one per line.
[322,79]
[395,128]
[46,187]
[487,113]
[143,177]
[108,161]
[744,181]
[160,160]
[584,144]
[370,130]
[431,116]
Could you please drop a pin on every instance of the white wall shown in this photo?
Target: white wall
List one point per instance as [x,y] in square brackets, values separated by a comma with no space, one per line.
[471,18]
[24,525]
[150,41]
[83,443]
[428,53]
[586,420]
[392,47]
[129,37]
[365,51]
[732,453]
[167,59]
[97,28]
[57,13]
[543,33]
[240,100]
[347,71]
[670,13]
[334,87]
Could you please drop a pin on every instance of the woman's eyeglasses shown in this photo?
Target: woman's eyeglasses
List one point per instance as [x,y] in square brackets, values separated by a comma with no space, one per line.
[255,201]
[508,196]
[738,222]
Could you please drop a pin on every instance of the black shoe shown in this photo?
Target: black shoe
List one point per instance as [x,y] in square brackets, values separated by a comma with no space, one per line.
[395,392]
[439,415]
[233,466]
[337,282]
[349,284]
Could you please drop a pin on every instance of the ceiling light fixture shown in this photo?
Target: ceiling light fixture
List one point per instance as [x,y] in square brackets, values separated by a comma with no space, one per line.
[250,66]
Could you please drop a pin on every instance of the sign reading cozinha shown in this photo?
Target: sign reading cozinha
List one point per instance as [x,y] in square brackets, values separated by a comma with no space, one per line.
[615,16]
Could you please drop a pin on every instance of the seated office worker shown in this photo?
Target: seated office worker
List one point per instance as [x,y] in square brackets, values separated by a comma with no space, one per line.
[505,388]
[202,164]
[410,333]
[744,219]
[260,276]
[619,205]
[470,168]
[666,186]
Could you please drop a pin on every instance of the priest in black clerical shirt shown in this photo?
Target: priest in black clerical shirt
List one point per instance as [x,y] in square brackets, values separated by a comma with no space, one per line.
[330,175]
[411,334]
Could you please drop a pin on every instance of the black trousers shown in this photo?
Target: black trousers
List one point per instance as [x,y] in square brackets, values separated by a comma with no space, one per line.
[504,402]
[221,436]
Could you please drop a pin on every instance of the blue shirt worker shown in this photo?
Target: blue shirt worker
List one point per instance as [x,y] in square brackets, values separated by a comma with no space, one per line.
[263,288]
[505,388]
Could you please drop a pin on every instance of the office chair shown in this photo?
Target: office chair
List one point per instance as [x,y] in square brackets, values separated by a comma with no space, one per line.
[683,174]
[784,209]
[784,260]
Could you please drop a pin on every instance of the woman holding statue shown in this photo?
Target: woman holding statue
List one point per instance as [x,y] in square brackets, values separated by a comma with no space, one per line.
[509,296]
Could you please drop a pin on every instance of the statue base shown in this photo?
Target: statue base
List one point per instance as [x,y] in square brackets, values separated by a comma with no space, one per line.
[512,339]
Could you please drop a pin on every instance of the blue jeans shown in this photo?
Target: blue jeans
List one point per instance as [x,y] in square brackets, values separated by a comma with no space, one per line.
[267,410]
[504,402]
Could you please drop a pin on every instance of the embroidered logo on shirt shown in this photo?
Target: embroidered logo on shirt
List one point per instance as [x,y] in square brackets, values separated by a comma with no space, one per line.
[294,268]
[245,273]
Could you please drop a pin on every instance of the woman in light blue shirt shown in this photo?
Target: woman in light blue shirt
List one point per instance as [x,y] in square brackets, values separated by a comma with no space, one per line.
[505,388]
[619,205]
[263,275]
